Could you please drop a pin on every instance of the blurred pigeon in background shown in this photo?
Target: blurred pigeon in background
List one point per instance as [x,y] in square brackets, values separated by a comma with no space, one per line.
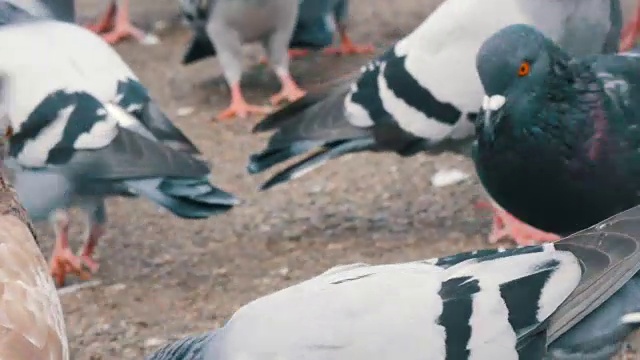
[315,29]
[505,304]
[579,116]
[116,25]
[424,92]
[315,25]
[113,26]
[81,127]
[318,22]
[230,23]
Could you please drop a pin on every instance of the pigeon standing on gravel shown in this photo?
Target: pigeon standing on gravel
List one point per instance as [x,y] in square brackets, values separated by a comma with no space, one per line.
[424,92]
[115,25]
[316,26]
[318,21]
[559,136]
[575,297]
[230,23]
[81,127]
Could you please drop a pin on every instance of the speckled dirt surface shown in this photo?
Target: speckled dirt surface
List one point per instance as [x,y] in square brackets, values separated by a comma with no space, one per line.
[162,277]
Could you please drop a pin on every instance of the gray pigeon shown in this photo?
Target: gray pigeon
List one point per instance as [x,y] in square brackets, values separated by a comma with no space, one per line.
[318,21]
[81,127]
[230,23]
[115,25]
[424,92]
[554,300]
[316,26]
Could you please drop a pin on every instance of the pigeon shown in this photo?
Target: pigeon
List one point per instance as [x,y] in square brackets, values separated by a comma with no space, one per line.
[578,115]
[229,24]
[32,323]
[115,25]
[272,22]
[318,21]
[424,93]
[519,303]
[81,127]
[316,25]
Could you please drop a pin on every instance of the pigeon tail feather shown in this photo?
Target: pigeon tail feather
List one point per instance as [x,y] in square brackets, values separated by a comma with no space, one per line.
[329,151]
[186,198]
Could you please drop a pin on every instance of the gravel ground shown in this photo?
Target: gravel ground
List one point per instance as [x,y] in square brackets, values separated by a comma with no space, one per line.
[162,277]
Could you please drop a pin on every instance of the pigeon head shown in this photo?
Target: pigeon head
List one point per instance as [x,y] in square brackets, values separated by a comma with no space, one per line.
[516,66]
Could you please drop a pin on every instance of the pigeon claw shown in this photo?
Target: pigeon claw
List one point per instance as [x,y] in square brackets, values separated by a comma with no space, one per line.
[348,47]
[242,109]
[106,22]
[64,262]
[122,31]
[506,225]
[89,262]
[290,91]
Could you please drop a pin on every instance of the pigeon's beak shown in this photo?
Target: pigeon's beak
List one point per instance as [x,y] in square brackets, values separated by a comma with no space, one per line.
[490,105]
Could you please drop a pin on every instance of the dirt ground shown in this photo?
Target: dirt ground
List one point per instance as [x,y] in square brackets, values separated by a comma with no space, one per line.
[162,277]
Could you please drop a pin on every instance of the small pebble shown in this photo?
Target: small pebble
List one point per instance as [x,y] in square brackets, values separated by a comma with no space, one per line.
[185,111]
[160,25]
[154,342]
[448,177]
[116,287]
[150,39]
[283,271]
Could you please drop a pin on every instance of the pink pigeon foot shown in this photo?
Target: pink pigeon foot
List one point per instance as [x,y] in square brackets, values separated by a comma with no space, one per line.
[506,225]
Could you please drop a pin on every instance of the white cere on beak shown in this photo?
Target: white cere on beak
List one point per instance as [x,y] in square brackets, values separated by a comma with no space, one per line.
[493,103]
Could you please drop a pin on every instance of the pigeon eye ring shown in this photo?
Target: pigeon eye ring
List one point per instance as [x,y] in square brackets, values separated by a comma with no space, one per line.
[525,68]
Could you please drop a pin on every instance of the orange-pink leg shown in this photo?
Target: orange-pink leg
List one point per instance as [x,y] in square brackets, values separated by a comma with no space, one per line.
[348,47]
[116,24]
[290,91]
[63,261]
[88,250]
[506,225]
[239,106]
[630,31]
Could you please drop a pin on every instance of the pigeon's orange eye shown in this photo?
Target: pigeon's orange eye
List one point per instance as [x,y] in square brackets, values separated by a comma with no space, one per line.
[8,131]
[524,69]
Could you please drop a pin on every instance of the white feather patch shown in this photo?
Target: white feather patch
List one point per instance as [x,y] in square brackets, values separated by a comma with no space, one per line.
[493,103]
[356,114]
[36,150]
[122,117]
[448,177]
[100,135]
[489,319]
[631,318]
[408,118]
